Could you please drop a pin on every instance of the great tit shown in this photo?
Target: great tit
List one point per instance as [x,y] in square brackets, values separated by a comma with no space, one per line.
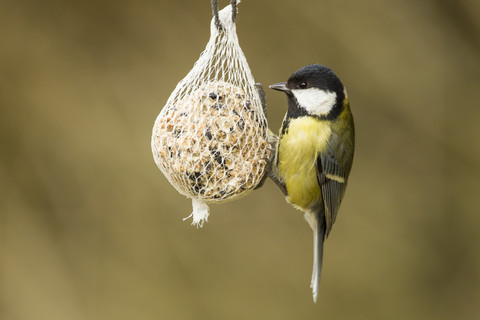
[314,152]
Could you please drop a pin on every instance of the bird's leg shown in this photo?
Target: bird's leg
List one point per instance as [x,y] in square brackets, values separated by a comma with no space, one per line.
[270,168]
[263,99]
[279,184]
[272,140]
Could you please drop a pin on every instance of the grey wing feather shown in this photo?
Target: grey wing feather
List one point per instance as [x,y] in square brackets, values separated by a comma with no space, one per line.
[332,192]
[332,178]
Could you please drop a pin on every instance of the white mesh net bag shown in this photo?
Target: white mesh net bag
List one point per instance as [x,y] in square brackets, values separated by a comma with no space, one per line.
[210,139]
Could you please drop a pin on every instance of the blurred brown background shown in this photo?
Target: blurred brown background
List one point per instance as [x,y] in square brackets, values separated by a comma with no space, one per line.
[90,228]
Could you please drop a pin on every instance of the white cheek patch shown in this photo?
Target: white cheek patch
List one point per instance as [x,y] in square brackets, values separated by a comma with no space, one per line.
[315,101]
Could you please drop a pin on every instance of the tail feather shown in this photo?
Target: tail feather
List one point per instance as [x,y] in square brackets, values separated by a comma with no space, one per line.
[317,223]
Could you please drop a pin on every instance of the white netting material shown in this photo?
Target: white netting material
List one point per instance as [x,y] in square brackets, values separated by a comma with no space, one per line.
[210,139]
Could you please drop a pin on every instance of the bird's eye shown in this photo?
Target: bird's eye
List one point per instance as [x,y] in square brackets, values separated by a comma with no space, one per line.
[302,85]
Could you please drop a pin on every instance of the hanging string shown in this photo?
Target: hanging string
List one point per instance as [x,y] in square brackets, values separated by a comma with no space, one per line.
[215,14]
[234,9]
[214,4]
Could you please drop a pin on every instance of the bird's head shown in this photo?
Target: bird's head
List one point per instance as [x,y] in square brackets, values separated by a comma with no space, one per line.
[315,89]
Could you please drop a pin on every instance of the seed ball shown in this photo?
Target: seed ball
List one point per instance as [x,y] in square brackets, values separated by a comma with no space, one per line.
[211,143]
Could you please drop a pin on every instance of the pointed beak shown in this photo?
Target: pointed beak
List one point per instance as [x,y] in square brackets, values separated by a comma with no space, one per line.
[282,86]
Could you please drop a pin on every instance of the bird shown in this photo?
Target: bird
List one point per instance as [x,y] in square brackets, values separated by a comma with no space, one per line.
[314,151]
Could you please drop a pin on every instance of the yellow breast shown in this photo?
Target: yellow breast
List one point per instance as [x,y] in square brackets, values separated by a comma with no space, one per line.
[297,154]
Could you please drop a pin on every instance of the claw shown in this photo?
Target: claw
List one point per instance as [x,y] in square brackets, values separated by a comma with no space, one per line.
[263,99]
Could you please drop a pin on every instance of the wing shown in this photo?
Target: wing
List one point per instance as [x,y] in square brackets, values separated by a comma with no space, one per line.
[332,177]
